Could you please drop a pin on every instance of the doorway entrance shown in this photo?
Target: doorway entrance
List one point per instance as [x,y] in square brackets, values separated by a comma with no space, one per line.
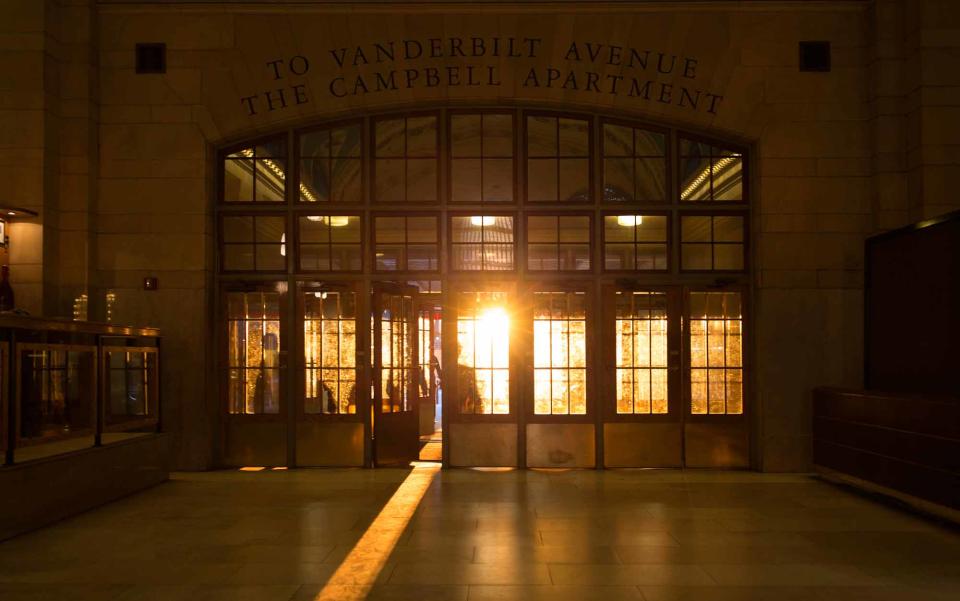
[492,286]
[430,392]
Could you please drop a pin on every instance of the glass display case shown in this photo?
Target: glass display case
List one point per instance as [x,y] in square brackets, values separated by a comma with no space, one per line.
[75,385]
[130,391]
[57,395]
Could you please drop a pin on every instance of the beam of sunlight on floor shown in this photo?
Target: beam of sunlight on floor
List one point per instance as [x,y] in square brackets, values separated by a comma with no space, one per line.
[356,575]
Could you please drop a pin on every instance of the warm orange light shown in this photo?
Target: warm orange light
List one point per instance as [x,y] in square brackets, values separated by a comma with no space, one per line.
[482,220]
[252,468]
[354,578]
[629,220]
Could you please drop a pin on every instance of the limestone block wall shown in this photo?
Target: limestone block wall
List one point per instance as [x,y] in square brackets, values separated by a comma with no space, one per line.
[836,156]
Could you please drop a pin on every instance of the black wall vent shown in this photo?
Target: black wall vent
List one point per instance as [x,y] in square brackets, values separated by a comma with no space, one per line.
[815,56]
[151,58]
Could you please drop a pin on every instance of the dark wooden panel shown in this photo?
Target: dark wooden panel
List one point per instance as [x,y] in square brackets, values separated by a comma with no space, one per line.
[912,413]
[921,481]
[41,492]
[723,444]
[932,451]
[907,443]
[912,321]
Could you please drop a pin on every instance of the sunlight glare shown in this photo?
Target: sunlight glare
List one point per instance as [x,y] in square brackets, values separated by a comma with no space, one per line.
[356,575]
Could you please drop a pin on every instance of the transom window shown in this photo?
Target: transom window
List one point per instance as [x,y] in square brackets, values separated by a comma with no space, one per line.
[496,190]
[634,164]
[558,243]
[407,242]
[481,163]
[331,164]
[406,166]
[330,243]
[558,163]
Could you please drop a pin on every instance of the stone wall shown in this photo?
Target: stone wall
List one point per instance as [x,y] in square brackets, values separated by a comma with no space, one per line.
[836,156]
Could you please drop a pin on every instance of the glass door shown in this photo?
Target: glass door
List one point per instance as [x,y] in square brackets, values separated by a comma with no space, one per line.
[641,384]
[395,382]
[479,389]
[329,390]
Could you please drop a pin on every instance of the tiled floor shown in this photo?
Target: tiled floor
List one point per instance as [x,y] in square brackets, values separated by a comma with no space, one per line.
[484,536]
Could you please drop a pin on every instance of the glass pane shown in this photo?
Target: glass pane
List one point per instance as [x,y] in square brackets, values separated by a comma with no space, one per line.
[483,335]
[574,180]
[695,229]
[651,257]
[617,141]
[542,179]
[346,257]
[315,144]
[347,141]
[271,148]
[330,352]
[649,143]
[254,346]
[728,229]
[238,229]
[390,229]
[574,257]
[728,179]
[542,257]
[541,228]
[728,256]
[466,183]
[421,179]
[238,180]
[616,229]
[344,228]
[559,343]
[574,138]
[541,136]
[389,257]
[651,179]
[390,140]
[422,257]
[695,257]
[269,257]
[619,256]
[618,181]
[421,229]
[498,180]
[695,179]
[465,135]
[314,228]
[314,180]
[270,180]
[422,136]
[390,175]
[498,135]
[652,228]
[574,229]
[314,257]
[346,184]
[270,229]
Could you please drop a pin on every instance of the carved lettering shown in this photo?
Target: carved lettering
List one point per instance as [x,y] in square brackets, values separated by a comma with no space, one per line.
[388,66]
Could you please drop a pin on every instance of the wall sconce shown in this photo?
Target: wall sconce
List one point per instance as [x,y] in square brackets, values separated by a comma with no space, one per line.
[7,214]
